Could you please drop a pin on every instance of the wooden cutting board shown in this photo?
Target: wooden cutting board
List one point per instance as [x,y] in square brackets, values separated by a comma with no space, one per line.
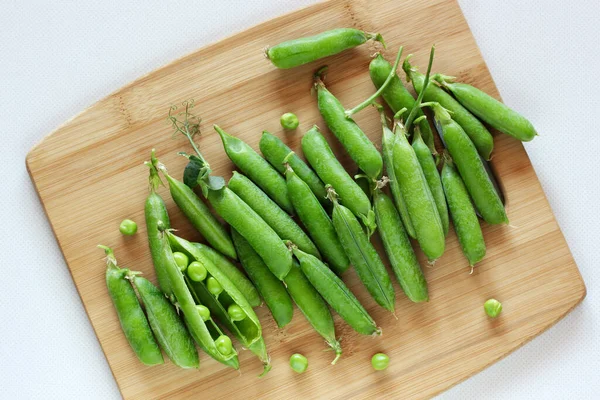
[89,176]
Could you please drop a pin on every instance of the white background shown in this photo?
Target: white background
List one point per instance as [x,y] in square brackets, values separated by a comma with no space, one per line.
[58,57]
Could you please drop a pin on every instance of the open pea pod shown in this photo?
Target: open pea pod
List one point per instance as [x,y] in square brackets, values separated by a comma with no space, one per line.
[248,329]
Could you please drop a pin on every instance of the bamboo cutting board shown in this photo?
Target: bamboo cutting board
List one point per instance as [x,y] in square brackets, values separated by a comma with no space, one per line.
[89,176]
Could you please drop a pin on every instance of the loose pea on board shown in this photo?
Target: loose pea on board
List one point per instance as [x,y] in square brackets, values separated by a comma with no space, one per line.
[128,227]
[495,113]
[296,52]
[289,121]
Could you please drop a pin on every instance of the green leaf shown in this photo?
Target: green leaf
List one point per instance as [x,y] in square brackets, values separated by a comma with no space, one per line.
[194,171]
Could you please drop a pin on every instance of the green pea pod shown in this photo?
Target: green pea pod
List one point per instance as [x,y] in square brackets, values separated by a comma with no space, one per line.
[314,308]
[354,140]
[169,329]
[398,249]
[232,272]
[480,136]
[466,223]
[321,158]
[362,255]
[270,288]
[204,334]
[271,213]
[470,167]
[419,200]
[263,239]
[248,330]
[296,52]
[432,176]
[276,152]
[156,215]
[397,96]
[317,222]
[131,316]
[493,112]
[336,293]
[387,140]
[200,216]
[257,169]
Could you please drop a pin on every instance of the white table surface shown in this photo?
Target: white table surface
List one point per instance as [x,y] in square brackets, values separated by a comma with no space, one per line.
[58,57]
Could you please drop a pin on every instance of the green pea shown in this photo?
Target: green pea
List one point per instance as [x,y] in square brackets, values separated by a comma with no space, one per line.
[128,227]
[289,121]
[203,311]
[492,308]
[466,223]
[196,271]
[397,96]
[321,158]
[224,345]
[357,144]
[477,132]
[296,52]
[490,110]
[182,260]
[380,361]
[277,153]
[235,312]
[298,363]
[214,286]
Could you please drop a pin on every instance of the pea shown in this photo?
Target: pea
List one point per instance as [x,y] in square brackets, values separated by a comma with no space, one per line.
[298,363]
[492,308]
[214,286]
[477,132]
[224,345]
[203,311]
[196,271]
[296,52]
[493,112]
[380,361]
[128,227]
[182,260]
[235,312]
[289,121]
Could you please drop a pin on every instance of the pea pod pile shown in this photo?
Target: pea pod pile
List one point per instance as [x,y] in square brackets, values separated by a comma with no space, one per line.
[296,227]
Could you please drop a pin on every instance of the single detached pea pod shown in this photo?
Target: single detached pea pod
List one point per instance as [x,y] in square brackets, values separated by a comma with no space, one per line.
[296,52]
[432,176]
[387,140]
[246,328]
[131,316]
[271,213]
[263,239]
[397,96]
[466,223]
[481,137]
[314,308]
[199,214]
[362,254]
[256,168]
[205,334]
[275,151]
[169,329]
[493,112]
[270,288]
[470,166]
[336,294]
[232,272]
[398,248]
[155,212]
[354,140]
[321,158]
[421,206]
[317,222]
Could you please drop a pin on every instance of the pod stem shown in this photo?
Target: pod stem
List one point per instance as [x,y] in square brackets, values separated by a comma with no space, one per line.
[331,194]
[319,76]
[443,80]
[154,178]
[375,95]
[110,256]
[376,37]
[416,106]
[335,346]
[440,113]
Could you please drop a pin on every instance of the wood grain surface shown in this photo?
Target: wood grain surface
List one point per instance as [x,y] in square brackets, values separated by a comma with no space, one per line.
[89,176]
